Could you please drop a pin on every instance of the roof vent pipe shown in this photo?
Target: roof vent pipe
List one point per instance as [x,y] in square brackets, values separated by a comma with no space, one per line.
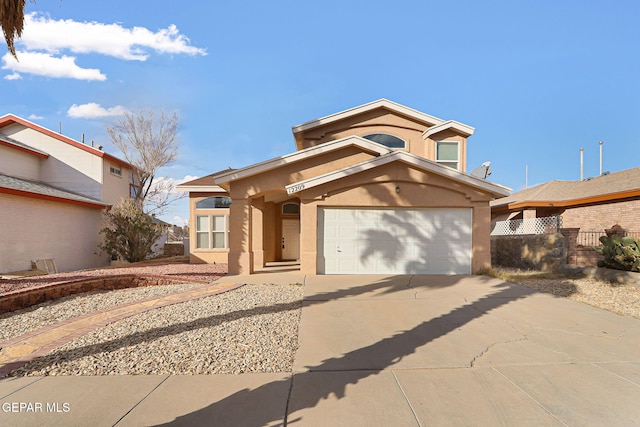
[581,164]
[601,143]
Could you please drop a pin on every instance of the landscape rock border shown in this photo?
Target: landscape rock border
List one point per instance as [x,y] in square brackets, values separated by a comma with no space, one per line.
[28,297]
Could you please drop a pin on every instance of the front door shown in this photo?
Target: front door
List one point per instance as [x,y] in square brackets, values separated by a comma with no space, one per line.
[290,239]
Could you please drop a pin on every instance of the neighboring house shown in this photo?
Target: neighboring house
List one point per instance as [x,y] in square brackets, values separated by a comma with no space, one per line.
[593,204]
[380,188]
[53,191]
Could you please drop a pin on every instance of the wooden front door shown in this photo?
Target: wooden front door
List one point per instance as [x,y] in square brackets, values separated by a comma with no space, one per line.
[290,239]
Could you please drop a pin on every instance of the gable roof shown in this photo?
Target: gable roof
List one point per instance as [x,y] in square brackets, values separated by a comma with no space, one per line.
[606,188]
[9,119]
[12,143]
[381,103]
[466,130]
[405,157]
[204,184]
[39,190]
[257,168]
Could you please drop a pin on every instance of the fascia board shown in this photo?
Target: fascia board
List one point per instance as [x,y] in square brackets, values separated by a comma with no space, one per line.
[200,188]
[393,106]
[257,168]
[406,158]
[8,119]
[451,124]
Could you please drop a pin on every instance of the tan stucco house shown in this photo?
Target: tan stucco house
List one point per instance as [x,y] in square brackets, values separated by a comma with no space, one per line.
[53,191]
[379,188]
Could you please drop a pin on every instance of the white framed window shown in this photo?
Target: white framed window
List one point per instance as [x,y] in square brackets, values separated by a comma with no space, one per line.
[212,231]
[202,231]
[448,154]
[115,171]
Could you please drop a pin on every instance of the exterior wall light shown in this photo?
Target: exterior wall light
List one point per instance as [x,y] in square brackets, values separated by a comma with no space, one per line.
[397,189]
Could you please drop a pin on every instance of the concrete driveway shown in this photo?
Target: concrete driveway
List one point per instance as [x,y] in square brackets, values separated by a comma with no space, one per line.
[401,351]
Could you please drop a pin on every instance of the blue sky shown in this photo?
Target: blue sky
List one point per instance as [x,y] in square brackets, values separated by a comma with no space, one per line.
[537,79]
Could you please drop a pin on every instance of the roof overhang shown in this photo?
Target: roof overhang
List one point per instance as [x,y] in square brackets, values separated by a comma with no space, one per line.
[457,127]
[17,145]
[9,119]
[201,188]
[529,204]
[355,141]
[45,192]
[381,103]
[407,158]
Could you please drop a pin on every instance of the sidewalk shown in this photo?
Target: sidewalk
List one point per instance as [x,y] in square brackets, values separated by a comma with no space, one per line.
[376,350]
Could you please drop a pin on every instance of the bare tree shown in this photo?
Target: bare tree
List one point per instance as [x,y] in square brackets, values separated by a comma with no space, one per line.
[148,141]
[12,21]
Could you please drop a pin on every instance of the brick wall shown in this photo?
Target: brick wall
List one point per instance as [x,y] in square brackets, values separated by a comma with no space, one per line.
[601,217]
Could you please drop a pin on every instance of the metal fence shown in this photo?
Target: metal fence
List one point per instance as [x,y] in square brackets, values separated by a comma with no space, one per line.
[548,224]
[590,239]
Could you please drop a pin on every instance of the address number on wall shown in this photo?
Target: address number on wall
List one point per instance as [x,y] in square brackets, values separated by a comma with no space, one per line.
[295,188]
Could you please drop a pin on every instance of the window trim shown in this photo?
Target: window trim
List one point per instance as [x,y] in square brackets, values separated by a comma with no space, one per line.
[115,171]
[210,232]
[444,162]
[289,213]
[404,147]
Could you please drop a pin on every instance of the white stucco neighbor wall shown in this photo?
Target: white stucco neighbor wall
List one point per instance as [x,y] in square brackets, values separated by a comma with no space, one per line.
[19,164]
[67,167]
[33,229]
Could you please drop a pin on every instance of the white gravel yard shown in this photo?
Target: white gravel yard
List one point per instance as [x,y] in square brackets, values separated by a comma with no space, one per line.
[250,329]
[14,324]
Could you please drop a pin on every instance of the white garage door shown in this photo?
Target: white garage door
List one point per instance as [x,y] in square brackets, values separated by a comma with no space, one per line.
[394,241]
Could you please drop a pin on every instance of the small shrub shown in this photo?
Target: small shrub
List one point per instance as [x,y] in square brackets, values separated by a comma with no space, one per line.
[620,253]
[129,233]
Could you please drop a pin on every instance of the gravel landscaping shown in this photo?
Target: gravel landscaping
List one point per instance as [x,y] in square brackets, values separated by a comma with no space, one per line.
[250,329]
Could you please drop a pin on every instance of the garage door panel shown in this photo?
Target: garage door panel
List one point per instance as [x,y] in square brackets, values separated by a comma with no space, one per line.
[394,241]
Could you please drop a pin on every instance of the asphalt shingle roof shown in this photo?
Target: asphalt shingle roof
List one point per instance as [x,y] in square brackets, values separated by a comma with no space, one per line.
[34,187]
[557,191]
[8,140]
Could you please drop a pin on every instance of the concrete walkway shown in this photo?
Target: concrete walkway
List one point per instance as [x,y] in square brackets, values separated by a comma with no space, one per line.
[376,350]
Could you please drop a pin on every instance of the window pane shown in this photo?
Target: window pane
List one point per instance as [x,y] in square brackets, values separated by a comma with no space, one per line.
[291,208]
[202,223]
[452,165]
[218,240]
[447,151]
[214,202]
[218,223]
[386,139]
[202,240]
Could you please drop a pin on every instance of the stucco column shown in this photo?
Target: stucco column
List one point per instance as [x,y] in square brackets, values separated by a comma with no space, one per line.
[257,240]
[240,261]
[481,239]
[308,237]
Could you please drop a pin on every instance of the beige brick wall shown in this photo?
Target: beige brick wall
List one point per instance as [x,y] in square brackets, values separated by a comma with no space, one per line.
[600,217]
[37,229]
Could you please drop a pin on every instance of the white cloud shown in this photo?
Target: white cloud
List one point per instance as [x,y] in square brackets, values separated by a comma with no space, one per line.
[178,220]
[44,64]
[14,76]
[93,110]
[35,117]
[50,35]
